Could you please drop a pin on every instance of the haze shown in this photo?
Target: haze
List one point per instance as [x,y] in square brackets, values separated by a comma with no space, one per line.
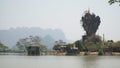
[60,14]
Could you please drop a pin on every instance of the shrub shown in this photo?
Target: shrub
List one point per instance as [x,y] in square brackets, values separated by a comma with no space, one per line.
[100,52]
[86,53]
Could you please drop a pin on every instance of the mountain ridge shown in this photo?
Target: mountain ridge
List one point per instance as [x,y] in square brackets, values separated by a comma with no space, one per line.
[11,36]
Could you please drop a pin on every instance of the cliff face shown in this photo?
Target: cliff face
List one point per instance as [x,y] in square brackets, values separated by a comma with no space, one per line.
[90,23]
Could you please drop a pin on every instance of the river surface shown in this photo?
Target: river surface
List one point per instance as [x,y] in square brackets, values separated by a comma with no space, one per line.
[22,61]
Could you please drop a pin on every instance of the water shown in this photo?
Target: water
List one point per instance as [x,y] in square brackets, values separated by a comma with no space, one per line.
[21,61]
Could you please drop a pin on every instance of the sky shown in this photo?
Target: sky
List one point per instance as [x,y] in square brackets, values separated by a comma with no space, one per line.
[60,14]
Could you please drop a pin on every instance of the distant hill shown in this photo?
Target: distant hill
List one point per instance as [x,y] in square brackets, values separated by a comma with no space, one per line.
[49,36]
[48,40]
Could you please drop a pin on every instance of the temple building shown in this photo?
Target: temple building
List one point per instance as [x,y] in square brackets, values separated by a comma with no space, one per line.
[33,50]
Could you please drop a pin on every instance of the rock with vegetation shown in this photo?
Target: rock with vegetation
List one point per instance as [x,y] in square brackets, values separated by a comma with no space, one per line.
[90,23]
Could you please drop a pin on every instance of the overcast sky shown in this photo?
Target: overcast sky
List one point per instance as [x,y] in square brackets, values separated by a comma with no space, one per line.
[60,14]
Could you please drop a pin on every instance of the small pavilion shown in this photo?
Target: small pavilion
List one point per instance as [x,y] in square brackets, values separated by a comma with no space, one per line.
[33,50]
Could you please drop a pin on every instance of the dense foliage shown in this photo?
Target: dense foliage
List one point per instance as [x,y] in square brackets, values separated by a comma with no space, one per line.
[3,47]
[114,1]
[30,41]
[79,46]
[59,46]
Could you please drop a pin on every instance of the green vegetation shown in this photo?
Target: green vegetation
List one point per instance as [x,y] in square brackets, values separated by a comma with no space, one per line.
[114,1]
[59,46]
[22,44]
[87,47]
[79,45]
[3,47]
[100,52]
[86,53]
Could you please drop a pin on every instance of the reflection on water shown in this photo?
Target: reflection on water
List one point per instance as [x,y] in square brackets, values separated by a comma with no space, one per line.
[90,61]
[16,61]
[101,61]
[16,54]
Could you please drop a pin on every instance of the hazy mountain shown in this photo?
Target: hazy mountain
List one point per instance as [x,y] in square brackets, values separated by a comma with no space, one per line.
[48,40]
[11,36]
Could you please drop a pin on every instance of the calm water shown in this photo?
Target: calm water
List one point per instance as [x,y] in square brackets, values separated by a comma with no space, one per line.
[17,61]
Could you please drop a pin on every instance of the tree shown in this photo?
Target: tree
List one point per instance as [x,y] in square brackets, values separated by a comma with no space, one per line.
[43,48]
[70,49]
[21,44]
[79,45]
[114,1]
[110,44]
[90,46]
[3,47]
[59,45]
[100,52]
[30,41]
[116,46]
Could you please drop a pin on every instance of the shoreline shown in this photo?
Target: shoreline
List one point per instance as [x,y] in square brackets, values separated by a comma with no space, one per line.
[83,54]
[64,53]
